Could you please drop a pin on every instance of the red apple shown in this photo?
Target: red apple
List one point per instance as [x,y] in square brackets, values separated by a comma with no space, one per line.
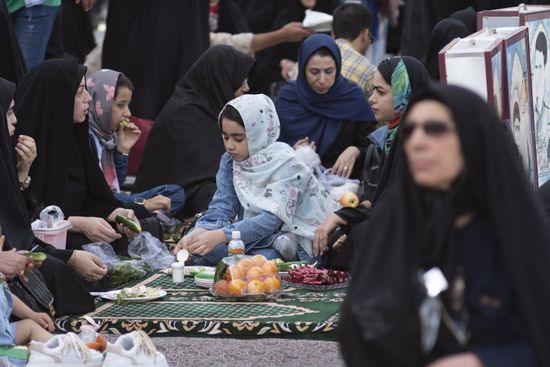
[349,200]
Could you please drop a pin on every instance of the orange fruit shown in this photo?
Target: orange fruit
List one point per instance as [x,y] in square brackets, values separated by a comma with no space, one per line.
[272,285]
[221,287]
[234,272]
[255,273]
[256,287]
[269,268]
[258,260]
[237,287]
[245,264]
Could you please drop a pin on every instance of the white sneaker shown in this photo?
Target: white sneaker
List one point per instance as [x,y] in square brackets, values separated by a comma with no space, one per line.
[134,349]
[66,350]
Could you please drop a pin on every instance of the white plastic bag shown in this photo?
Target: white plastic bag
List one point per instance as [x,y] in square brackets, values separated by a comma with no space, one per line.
[153,252]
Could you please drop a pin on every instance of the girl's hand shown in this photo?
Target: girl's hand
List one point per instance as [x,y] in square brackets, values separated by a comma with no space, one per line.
[345,162]
[88,266]
[187,239]
[26,153]
[43,320]
[95,229]
[205,242]
[127,137]
[158,202]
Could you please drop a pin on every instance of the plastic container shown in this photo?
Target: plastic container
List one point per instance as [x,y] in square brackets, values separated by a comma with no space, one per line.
[54,236]
[246,278]
[178,272]
[235,246]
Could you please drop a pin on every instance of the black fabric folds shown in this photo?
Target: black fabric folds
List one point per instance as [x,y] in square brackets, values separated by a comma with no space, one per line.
[7,93]
[44,107]
[185,145]
[154,43]
[12,64]
[70,296]
[444,32]
[379,321]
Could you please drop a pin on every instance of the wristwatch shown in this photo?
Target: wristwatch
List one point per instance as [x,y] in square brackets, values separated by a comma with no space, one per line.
[140,201]
[25,184]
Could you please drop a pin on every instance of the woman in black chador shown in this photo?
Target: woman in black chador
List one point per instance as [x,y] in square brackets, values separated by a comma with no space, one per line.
[461,204]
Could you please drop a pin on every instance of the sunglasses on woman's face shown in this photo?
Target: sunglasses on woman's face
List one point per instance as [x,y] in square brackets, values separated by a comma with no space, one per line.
[432,128]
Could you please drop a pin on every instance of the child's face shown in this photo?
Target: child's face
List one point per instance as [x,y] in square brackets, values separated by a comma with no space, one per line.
[121,107]
[235,140]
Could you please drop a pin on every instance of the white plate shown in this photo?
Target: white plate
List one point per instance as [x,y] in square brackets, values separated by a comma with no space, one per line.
[204,283]
[194,270]
[113,296]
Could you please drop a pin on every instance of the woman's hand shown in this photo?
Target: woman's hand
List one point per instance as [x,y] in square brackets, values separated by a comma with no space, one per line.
[205,242]
[88,266]
[186,240]
[26,153]
[43,320]
[95,229]
[127,137]
[345,162]
[324,231]
[458,360]
[158,202]
[13,263]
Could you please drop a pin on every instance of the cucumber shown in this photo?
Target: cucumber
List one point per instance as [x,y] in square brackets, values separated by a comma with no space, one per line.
[124,123]
[37,256]
[134,227]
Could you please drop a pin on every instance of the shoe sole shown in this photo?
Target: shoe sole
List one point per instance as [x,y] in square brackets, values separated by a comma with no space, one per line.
[63,364]
[139,364]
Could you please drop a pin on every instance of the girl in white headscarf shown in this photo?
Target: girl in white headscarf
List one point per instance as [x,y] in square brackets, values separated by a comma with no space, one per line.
[261,182]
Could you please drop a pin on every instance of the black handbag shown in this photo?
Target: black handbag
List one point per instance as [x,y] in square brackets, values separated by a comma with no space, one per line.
[34,292]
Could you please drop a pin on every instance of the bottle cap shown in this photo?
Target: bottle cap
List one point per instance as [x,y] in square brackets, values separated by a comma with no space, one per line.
[236,235]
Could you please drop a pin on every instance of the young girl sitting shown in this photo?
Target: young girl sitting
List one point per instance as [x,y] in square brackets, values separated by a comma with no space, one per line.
[112,136]
[275,196]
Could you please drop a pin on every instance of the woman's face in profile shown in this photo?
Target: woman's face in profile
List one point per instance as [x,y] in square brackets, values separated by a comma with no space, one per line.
[432,145]
[381,99]
[81,99]
[320,73]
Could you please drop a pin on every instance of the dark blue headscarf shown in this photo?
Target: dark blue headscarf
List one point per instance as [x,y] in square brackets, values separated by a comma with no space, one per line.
[319,116]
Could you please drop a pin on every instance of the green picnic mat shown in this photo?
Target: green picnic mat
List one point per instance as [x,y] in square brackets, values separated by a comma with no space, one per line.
[192,311]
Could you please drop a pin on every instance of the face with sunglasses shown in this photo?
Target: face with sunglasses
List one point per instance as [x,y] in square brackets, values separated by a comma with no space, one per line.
[432,145]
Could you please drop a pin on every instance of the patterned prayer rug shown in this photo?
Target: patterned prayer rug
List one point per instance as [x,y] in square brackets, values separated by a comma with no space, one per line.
[192,311]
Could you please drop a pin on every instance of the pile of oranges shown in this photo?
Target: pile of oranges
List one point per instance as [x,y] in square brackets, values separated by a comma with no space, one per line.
[249,276]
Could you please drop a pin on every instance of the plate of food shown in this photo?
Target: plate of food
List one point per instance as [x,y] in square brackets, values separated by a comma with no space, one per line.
[311,278]
[139,293]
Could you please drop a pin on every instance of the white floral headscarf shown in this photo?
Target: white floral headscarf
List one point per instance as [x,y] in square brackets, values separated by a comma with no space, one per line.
[273,179]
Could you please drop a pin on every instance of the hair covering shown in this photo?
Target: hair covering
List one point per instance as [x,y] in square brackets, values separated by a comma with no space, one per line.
[403,74]
[319,116]
[273,179]
[444,32]
[184,146]
[45,109]
[7,92]
[381,312]
[102,87]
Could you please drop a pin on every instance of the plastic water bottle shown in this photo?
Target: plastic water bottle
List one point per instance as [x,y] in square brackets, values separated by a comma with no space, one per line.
[235,246]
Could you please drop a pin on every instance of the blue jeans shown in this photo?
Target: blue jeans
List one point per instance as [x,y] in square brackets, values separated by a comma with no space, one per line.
[174,192]
[33,27]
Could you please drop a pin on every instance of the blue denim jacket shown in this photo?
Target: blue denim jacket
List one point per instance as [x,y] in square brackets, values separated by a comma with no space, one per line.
[258,231]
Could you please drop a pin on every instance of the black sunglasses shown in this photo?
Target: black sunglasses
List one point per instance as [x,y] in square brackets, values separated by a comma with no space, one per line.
[431,127]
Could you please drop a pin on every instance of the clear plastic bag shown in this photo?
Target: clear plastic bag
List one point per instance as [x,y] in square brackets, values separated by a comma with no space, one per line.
[153,252]
[119,271]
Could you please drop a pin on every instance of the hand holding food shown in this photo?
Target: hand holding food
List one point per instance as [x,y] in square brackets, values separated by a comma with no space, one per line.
[127,136]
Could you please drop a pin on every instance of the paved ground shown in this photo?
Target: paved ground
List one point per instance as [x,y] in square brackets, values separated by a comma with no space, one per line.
[210,352]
